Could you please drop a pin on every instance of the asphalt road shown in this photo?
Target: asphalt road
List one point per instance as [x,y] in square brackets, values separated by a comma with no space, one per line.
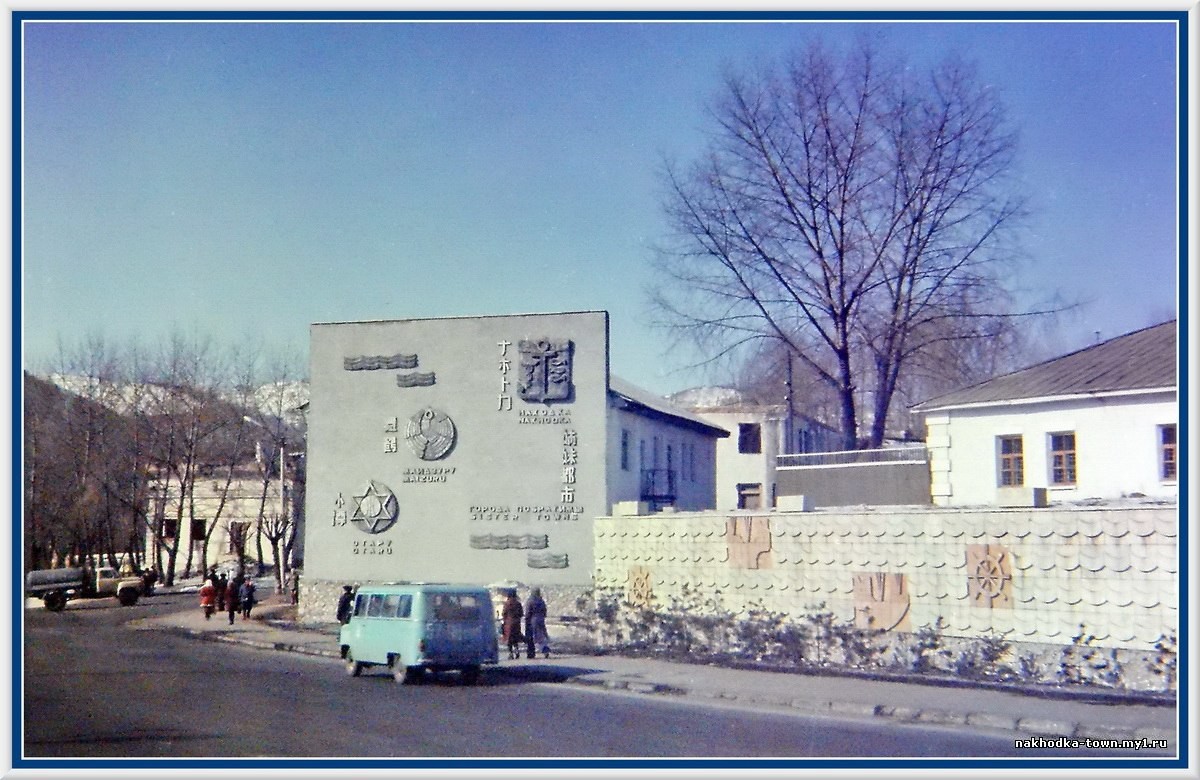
[95,688]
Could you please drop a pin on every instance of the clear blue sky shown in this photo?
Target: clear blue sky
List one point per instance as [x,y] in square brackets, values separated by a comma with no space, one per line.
[250,179]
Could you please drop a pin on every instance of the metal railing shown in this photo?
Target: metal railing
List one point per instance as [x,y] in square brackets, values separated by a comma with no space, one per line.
[658,485]
[908,454]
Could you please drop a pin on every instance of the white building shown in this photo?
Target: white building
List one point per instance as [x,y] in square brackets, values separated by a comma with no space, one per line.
[1097,423]
[759,433]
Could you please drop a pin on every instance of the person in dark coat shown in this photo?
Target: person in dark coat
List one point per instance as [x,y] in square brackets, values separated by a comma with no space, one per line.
[535,625]
[247,597]
[510,622]
[222,589]
[345,607]
[231,598]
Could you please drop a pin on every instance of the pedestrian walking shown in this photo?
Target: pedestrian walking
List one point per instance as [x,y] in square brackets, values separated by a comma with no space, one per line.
[510,622]
[208,599]
[149,577]
[535,625]
[247,597]
[345,607]
[222,590]
[231,598]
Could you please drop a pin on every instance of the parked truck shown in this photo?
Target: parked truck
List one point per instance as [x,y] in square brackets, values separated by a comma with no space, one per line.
[55,586]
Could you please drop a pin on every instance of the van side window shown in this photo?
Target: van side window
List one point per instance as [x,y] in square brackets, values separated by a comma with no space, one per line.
[404,609]
[360,606]
[456,608]
[375,606]
[390,602]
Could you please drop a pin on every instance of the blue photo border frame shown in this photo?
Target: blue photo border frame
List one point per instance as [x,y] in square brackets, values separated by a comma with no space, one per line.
[19,18]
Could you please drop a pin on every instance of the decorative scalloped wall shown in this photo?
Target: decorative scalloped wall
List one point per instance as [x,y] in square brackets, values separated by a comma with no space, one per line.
[1032,575]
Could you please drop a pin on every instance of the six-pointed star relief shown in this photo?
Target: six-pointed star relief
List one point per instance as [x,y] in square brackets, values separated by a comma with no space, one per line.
[375,510]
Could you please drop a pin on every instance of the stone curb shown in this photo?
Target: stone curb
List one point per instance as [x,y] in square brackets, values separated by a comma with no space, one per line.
[1027,726]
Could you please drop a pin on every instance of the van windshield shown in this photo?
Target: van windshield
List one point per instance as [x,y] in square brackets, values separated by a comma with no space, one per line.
[455,607]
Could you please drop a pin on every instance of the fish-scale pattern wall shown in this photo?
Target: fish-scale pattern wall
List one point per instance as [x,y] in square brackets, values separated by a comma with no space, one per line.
[1032,575]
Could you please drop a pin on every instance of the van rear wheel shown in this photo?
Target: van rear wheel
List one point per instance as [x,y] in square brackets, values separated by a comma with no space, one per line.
[400,672]
[55,601]
[470,675]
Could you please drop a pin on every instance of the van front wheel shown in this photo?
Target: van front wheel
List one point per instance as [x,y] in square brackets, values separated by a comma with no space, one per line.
[353,668]
[470,675]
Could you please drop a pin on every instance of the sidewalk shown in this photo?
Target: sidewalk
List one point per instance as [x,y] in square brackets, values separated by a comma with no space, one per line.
[1084,714]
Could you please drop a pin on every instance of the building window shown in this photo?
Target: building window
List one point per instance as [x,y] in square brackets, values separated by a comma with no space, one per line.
[624,450]
[749,496]
[1168,467]
[641,453]
[1012,461]
[168,527]
[1062,459]
[199,528]
[749,438]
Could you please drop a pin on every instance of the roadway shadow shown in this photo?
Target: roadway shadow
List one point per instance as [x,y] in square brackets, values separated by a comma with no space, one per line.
[532,672]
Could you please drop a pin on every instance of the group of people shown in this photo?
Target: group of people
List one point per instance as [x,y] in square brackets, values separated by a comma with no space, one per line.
[525,624]
[149,578]
[219,593]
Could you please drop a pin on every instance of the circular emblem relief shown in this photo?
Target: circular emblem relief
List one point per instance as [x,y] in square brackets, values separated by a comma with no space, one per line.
[376,509]
[990,577]
[431,434]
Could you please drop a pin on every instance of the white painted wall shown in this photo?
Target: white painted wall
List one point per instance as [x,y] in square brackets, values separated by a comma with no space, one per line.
[695,484]
[1116,443]
[733,467]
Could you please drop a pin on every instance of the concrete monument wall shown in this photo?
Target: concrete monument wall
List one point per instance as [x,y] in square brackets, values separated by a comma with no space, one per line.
[460,449]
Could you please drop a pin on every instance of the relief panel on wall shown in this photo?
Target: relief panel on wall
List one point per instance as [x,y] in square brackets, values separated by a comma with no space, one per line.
[882,601]
[989,576]
[749,542]
[639,588]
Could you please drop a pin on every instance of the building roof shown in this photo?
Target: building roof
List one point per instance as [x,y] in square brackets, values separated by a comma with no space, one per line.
[634,399]
[1144,360]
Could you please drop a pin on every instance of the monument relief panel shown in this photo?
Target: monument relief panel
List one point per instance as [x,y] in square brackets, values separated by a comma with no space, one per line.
[495,463]
[431,434]
[545,370]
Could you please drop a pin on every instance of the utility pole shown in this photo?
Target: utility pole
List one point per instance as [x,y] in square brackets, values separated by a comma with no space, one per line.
[789,424]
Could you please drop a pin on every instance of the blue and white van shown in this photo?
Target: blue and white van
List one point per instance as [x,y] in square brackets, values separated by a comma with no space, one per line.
[416,627]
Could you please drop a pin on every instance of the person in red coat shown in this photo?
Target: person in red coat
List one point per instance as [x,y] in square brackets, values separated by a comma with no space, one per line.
[208,599]
[510,623]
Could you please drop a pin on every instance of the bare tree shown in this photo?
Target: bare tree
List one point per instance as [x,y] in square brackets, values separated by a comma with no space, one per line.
[282,430]
[84,452]
[852,211]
